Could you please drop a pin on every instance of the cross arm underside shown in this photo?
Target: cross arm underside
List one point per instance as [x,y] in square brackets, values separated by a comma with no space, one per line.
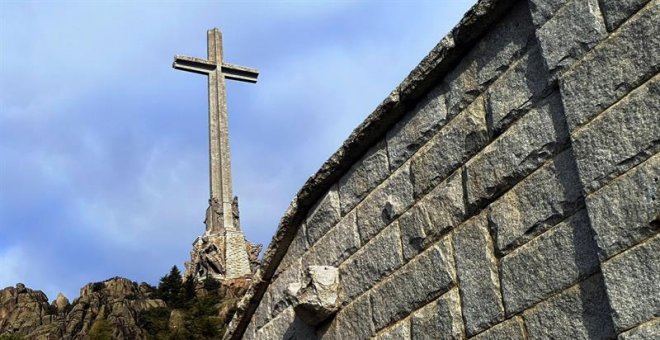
[240,73]
[195,65]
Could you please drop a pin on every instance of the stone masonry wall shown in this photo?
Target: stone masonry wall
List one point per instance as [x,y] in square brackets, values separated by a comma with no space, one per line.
[517,199]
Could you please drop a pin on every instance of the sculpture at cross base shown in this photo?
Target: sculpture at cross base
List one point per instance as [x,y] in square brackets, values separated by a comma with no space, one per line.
[222,252]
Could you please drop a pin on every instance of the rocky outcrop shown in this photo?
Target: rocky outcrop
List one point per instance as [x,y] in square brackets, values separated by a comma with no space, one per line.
[27,313]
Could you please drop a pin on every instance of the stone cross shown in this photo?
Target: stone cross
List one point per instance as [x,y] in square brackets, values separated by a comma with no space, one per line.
[220,202]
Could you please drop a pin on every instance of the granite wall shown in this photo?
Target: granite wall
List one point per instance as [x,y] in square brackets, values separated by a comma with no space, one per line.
[516,198]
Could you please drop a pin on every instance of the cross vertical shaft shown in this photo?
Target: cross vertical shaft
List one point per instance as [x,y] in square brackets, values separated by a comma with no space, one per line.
[220,215]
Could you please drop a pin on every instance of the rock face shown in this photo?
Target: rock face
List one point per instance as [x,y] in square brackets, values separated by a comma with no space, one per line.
[26,312]
[317,297]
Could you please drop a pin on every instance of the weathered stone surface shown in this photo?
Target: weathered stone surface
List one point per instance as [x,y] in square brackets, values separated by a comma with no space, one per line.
[620,63]
[461,138]
[535,204]
[399,331]
[462,86]
[646,331]
[323,216]
[61,302]
[512,329]
[440,319]
[297,248]
[617,11]
[439,211]
[497,50]
[385,203]
[632,285]
[575,29]
[543,10]
[553,261]
[621,137]
[337,245]
[627,210]
[417,127]
[521,149]
[286,326]
[516,91]
[263,312]
[278,288]
[421,280]
[365,175]
[353,322]
[476,267]
[317,296]
[376,259]
[580,312]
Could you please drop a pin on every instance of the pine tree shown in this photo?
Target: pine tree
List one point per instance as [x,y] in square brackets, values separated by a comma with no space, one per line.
[169,288]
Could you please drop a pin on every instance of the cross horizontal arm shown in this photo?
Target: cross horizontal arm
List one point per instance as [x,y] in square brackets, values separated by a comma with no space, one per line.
[240,73]
[195,65]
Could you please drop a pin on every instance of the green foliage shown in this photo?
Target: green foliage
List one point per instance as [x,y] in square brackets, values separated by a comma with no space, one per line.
[155,322]
[101,330]
[9,336]
[169,288]
[211,285]
[202,318]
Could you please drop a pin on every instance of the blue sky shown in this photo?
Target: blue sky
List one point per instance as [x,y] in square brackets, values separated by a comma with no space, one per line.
[104,147]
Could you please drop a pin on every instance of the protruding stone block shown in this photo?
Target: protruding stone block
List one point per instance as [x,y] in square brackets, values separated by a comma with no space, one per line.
[317,296]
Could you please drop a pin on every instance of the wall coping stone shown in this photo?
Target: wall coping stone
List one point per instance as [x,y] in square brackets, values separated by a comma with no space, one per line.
[439,61]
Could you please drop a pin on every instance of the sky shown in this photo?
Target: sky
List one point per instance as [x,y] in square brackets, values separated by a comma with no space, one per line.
[104,147]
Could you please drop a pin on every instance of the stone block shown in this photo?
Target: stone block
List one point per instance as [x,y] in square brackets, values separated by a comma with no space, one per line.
[476,267]
[317,296]
[532,140]
[296,249]
[516,91]
[323,216]
[385,203]
[543,10]
[575,29]
[440,319]
[337,245]
[399,331]
[365,175]
[580,312]
[462,86]
[548,264]
[286,326]
[461,138]
[617,65]
[417,127]
[354,321]
[263,311]
[646,331]
[278,288]
[377,258]
[439,211]
[627,210]
[420,281]
[632,285]
[618,11]
[547,196]
[512,329]
[619,138]
[502,44]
